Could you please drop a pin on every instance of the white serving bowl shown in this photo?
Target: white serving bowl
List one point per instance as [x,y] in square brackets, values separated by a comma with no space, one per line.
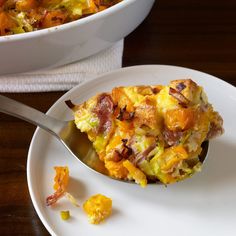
[73,41]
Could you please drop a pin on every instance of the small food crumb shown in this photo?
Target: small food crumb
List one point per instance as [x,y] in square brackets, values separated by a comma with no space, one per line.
[65,215]
[98,207]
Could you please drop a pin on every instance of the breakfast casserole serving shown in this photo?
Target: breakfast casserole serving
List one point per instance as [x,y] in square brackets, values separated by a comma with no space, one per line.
[150,133]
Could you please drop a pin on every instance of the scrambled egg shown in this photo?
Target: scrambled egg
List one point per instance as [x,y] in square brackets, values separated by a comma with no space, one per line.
[150,133]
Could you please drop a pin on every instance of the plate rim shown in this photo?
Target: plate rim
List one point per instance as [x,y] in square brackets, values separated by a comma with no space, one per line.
[84,84]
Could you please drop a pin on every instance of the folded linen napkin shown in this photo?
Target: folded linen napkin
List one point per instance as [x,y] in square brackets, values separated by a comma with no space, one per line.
[64,77]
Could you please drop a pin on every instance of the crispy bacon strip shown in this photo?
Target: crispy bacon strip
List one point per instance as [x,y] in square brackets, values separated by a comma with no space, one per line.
[70,104]
[183,101]
[61,181]
[52,199]
[60,184]
[104,111]
[127,151]
[125,115]
[171,137]
[216,129]
[143,156]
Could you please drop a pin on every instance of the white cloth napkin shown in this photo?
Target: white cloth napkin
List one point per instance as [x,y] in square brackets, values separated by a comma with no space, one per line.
[65,77]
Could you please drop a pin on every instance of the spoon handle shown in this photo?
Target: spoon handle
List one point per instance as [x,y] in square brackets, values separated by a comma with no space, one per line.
[31,115]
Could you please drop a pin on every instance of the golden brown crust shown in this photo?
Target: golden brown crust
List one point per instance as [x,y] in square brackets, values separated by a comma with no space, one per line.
[190,89]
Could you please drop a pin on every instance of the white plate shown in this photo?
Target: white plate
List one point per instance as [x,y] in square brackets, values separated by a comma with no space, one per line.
[202,205]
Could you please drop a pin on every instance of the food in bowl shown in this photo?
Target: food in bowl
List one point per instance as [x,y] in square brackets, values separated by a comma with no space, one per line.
[73,41]
[20,16]
[150,133]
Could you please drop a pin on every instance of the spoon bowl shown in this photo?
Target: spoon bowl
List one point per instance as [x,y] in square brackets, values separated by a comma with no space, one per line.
[76,142]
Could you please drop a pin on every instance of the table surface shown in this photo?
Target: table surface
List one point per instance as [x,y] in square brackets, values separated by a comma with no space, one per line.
[196,34]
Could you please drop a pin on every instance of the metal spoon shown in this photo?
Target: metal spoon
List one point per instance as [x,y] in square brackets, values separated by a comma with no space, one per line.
[66,132]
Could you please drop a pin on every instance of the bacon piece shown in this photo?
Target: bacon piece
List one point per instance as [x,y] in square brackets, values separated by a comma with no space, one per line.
[216,126]
[60,184]
[52,199]
[156,89]
[215,130]
[143,155]
[124,115]
[70,104]
[171,137]
[104,111]
[61,181]
[183,101]
[127,151]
